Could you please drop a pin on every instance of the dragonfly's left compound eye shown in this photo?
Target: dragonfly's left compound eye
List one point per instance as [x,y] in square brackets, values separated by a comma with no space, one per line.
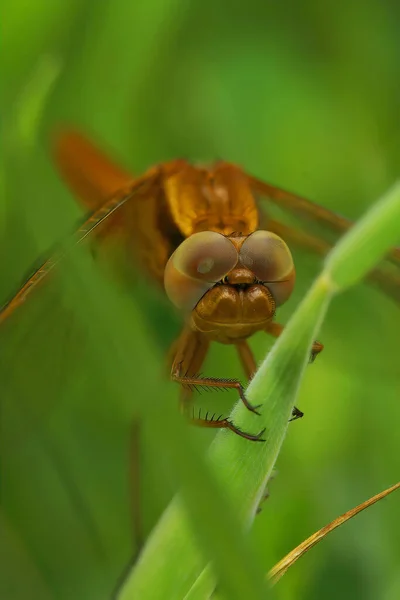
[196,265]
[270,259]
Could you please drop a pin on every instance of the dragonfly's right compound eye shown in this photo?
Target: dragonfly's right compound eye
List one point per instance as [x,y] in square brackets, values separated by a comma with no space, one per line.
[267,255]
[197,264]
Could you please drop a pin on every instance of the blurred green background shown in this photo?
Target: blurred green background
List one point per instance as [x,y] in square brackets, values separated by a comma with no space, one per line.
[305,95]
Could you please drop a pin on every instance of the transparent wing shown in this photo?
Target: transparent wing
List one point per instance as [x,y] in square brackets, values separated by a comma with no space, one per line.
[71,352]
[103,217]
[53,403]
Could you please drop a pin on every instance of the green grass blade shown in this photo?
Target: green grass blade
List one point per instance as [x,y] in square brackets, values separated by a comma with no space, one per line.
[203,586]
[366,243]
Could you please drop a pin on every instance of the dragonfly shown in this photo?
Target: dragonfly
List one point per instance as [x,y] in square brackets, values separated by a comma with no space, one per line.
[202,235]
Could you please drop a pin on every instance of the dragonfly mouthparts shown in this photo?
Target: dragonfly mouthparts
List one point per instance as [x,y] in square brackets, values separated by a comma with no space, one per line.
[241,286]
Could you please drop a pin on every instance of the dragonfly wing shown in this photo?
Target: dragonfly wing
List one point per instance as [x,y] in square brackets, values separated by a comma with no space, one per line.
[66,404]
[109,218]
[309,226]
[88,171]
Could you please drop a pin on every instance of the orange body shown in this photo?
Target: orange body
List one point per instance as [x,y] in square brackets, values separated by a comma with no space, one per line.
[188,200]
[181,200]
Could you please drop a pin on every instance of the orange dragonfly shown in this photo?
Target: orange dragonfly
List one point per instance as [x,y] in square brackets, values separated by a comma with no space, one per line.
[200,232]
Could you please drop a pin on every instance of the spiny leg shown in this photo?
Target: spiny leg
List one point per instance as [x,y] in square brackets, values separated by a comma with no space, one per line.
[190,351]
[182,373]
[220,423]
[249,366]
[179,375]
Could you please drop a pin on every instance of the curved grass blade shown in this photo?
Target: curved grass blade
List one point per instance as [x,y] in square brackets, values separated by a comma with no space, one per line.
[283,565]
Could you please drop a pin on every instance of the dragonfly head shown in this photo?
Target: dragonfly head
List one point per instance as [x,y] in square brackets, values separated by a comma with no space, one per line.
[230,279]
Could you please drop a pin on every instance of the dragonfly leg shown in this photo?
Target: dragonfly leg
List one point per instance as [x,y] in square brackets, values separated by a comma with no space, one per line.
[198,381]
[192,348]
[190,351]
[212,421]
[296,414]
[220,423]
[247,359]
[249,365]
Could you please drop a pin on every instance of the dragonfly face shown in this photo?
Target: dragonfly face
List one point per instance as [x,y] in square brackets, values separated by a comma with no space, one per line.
[232,284]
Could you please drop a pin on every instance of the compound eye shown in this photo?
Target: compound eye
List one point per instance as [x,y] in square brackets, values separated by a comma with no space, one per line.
[206,255]
[270,259]
[197,264]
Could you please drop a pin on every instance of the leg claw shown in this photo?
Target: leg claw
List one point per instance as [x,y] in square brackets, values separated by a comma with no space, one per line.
[254,410]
